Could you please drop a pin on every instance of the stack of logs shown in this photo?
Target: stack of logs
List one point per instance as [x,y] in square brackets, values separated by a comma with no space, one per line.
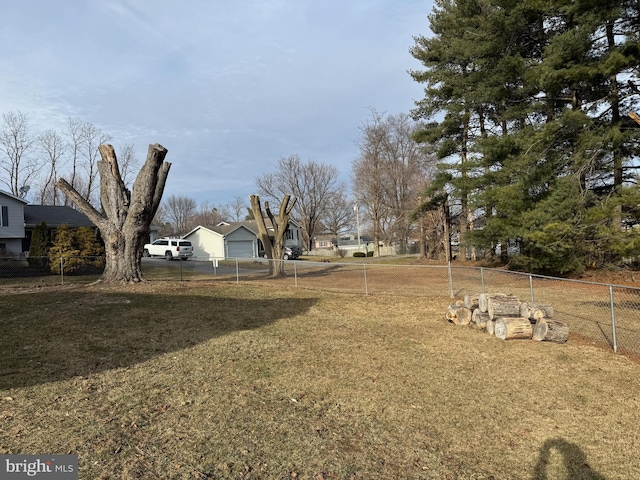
[507,318]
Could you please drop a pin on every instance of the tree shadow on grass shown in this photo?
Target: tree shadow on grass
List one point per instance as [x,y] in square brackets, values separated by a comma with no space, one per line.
[573,458]
[46,337]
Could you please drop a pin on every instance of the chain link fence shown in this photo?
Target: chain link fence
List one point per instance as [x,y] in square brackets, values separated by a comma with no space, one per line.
[605,315]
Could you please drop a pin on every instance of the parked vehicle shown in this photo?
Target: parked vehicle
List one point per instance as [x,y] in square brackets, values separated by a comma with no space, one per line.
[169,248]
[290,253]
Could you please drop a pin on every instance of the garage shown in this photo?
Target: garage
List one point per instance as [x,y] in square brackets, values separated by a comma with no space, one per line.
[240,249]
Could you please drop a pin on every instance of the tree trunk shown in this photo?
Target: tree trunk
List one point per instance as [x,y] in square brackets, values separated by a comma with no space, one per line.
[483,300]
[275,250]
[124,223]
[459,315]
[513,327]
[535,312]
[507,306]
[491,326]
[480,318]
[551,331]
[471,302]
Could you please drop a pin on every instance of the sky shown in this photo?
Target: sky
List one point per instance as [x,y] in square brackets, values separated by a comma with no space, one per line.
[227,86]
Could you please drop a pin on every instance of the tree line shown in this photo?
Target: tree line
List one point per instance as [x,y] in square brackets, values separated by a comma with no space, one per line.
[530,110]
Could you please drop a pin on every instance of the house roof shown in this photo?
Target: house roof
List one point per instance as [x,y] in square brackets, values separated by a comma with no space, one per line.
[7,194]
[54,216]
[223,230]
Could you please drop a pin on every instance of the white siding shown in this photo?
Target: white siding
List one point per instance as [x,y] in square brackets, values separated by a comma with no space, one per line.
[206,244]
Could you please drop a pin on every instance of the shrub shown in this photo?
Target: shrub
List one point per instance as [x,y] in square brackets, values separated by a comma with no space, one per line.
[79,249]
[370,254]
[359,254]
[342,252]
[39,248]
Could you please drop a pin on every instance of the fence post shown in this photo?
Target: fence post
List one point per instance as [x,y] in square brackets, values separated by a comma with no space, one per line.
[180,269]
[366,286]
[482,279]
[237,271]
[450,280]
[531,289]
[61,270]
[295,274]
[613,320]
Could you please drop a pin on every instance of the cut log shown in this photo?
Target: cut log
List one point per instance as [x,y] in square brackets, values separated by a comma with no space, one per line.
[491,326]
[458,303]
[547,330]
[483,300]
[479,318]
[458,315]
[504,306]
[535,312]
[508,328]
[471,302]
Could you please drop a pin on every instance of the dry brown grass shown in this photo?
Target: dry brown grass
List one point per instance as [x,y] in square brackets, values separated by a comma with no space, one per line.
[213,380]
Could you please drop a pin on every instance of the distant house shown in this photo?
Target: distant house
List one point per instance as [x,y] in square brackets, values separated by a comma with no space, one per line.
[328,244]
[234,240]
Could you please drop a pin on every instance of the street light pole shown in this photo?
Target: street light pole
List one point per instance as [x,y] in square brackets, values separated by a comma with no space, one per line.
[355,207]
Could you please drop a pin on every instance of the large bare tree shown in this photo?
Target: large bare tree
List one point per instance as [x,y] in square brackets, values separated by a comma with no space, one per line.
[275,250]
[126,214]
[312,183]
[388,176]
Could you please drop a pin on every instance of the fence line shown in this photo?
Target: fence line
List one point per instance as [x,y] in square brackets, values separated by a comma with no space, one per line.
[607,315]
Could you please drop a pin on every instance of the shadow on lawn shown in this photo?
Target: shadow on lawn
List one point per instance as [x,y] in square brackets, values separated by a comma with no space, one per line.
[47,337]
[573,458]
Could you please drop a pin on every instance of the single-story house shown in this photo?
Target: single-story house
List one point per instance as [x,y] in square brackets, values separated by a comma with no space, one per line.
[234,240]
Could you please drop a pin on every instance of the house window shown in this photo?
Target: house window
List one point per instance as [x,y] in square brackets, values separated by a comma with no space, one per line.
[4,213]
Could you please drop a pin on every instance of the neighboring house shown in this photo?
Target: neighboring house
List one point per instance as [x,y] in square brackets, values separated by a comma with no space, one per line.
[53,216]
[234,240]
[17,221]
[12,230]
[328,244]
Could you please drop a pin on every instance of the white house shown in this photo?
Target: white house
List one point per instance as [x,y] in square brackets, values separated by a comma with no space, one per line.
[223,241]
[234,240]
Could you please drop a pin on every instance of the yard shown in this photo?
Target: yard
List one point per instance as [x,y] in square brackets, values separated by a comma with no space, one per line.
[204,379]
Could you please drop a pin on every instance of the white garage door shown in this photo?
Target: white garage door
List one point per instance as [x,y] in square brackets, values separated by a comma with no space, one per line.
[240,249]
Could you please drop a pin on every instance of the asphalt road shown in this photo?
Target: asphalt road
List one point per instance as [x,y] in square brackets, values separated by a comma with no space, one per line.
[193,265]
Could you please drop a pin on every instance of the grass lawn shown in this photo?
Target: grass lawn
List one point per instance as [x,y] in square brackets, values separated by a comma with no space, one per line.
[200,380]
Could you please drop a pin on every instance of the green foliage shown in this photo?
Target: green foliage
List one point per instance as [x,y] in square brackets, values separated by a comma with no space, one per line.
[370,254]
[525,106]
[359,254]
[39,248]
[77,249]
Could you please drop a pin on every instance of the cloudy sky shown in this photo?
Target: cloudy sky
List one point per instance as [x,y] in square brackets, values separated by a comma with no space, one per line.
[227,86]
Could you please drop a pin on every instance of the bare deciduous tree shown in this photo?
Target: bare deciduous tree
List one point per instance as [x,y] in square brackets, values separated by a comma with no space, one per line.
[53,147]
[235,211]
[312,183]
[388,176]
[340,214]
[128,162]
[273,250]
[180,211]
[16,142]
[91,138]
[126,214]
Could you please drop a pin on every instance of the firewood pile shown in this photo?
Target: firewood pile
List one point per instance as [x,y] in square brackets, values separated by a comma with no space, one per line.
[506,317]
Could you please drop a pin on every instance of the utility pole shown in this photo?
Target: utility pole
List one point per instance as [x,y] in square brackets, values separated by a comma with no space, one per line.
[357,209]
